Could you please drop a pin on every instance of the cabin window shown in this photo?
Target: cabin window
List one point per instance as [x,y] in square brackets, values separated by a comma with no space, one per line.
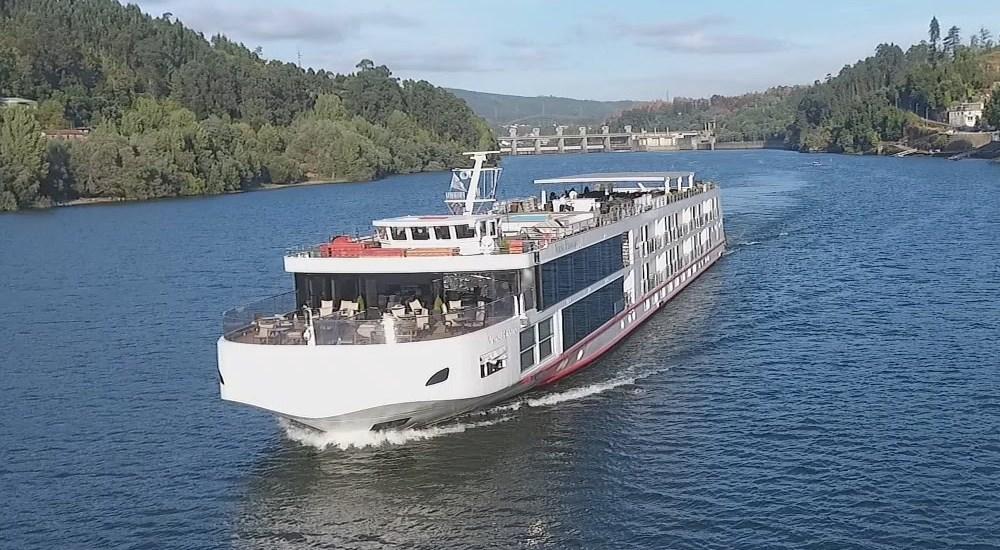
[398,233]
[527,348]
[493,228]
[382,234]
[544,339]
[465,232]
[442,232]
[420,233]
[482,229]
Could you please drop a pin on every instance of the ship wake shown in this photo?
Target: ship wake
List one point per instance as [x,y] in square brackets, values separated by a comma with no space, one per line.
[362,439]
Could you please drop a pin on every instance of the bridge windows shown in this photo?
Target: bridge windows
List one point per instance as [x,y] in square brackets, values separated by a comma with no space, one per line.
[442,232]
[398,233]
[463,231]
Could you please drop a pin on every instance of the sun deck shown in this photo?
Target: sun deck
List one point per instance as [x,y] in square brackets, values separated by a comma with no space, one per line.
[517,226]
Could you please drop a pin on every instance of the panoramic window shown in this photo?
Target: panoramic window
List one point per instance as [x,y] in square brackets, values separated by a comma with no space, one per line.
[442,232]
[564,276]
[398,233]
[420,233]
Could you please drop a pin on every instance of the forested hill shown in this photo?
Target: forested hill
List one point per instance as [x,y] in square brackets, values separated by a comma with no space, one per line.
[174,113]
[753,116]
[881,99]
[885,97]
[541,111]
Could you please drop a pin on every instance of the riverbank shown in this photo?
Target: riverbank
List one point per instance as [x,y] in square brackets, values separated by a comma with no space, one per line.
[263,187]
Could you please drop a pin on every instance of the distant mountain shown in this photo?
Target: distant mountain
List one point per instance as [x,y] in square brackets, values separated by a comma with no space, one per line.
[541,111]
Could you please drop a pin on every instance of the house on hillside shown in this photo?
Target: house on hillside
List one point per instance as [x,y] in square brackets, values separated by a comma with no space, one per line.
[965,115]
[66,135]
[17,101]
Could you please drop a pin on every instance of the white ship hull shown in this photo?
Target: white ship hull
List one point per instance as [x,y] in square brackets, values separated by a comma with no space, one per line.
[399,384]
[321,386]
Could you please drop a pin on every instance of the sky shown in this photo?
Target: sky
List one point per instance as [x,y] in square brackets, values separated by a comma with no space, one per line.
[606,50]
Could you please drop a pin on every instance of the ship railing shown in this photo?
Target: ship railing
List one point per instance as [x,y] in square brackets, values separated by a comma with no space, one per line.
[275,321]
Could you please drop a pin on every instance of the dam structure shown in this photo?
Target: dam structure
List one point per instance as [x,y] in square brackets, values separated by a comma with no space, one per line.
[605,141]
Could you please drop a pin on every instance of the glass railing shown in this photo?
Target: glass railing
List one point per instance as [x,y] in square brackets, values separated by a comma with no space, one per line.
[276,321]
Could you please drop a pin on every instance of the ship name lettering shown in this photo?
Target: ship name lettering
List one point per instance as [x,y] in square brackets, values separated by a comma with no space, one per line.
[501,336]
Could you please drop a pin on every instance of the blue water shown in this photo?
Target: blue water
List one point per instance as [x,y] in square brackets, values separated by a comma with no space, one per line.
[833,382]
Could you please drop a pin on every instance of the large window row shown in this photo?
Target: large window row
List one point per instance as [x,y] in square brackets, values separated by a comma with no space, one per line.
[565,276]
[583,317]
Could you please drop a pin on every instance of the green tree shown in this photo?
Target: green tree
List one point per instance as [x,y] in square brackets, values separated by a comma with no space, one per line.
[985,38]
[992,112]
[934,32]
[22,159]
[51,114]
[952,41]
[59,184]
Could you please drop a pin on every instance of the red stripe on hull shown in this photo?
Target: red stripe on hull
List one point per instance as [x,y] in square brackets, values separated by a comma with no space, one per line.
[547,376]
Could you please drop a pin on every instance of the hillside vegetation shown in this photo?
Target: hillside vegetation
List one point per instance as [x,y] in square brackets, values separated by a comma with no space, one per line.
[892,96]
[176,114]
[753,116]
[541,111]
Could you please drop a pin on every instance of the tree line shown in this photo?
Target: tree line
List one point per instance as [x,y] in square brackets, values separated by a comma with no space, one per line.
[879,99]
[754,116]
[174,113]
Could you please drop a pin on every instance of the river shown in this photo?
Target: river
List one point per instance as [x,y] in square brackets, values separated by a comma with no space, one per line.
[834,381]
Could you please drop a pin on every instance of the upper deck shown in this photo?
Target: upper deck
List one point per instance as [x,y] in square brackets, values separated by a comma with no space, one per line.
[503,238]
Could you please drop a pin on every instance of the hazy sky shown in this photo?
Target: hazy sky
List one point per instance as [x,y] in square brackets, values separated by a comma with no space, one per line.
[586,49]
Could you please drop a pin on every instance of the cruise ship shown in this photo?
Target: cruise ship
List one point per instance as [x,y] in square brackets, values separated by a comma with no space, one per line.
[432,316]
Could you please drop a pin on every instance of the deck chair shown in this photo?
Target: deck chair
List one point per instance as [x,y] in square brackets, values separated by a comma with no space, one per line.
[398,312]
[423,321]
[264,331]
[325,308]
[348,308]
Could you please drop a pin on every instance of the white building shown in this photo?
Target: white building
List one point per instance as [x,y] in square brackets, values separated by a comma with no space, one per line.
[965,115]
[12,101]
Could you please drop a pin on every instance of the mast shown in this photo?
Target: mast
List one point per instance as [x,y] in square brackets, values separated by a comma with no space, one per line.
[478,157]
[479,189]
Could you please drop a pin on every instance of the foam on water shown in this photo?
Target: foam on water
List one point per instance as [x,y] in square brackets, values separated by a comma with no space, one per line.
[360,439]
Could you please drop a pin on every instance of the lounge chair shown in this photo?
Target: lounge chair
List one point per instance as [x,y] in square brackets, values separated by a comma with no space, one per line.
[325,308]
[348,308]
